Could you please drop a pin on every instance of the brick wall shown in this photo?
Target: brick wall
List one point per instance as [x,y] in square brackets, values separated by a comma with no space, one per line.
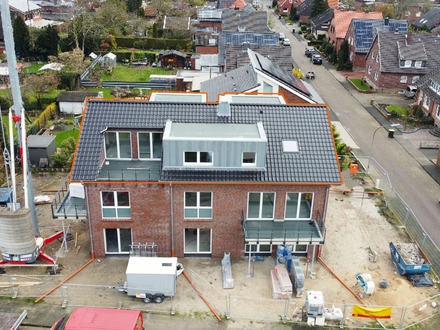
[290,97]
[151,213]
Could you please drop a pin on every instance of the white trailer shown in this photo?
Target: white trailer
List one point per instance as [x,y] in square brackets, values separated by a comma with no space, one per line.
[151,278]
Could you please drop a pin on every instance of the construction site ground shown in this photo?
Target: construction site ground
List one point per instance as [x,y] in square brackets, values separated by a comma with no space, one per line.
[355,228]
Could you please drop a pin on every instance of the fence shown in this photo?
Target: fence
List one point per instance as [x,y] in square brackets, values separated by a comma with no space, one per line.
[404,214]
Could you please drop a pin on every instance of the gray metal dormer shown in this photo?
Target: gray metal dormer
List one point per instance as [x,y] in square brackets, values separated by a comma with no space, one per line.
[214,146]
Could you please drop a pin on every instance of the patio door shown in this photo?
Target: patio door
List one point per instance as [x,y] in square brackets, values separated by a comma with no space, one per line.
[117,240]
[197,242]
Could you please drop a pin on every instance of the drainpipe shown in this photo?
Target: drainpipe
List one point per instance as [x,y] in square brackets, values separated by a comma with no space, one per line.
[92,249]
[172,220]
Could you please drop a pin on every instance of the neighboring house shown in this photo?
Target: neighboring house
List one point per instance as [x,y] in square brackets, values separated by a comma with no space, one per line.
[209,18]
[29,11]
[236,55]
[205,62]
[181,25]
[412,13]
[72,102]
[428,94]
[224,4]
[341,21]
[320,23]
[151,13]
[243,28]
[173,58]
[199,179]
[241,5]
[4,73]
[303,11]
[260,76]
[396,60]
[361,33]
[284,7]
[430,20]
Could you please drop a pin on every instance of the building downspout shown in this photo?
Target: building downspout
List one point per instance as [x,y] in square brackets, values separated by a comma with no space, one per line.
[172,220]
[92,249]
[327,191]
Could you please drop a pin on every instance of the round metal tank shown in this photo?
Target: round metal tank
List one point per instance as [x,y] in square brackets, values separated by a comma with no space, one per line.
[17,234]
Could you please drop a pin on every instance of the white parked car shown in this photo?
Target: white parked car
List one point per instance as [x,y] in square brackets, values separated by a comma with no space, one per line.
[286,42]
[282,36]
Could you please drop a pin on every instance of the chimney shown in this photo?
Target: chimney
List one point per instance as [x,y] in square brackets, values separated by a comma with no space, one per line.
[387,21]
[408,38]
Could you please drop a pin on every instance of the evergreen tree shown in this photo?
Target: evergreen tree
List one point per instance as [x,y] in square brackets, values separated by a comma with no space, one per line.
[344,62]
[318,7]
[293,16]
[46,42]
[133,5]
[21,37]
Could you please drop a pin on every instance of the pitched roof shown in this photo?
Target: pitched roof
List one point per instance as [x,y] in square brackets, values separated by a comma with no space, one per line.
[316,161]
[24,6]
[321,22]
[424,84]
[421,47]
[151,11]
[240,80]
[176,23]
[273,70]
[431,19]
[171,52]
[236,55]
[251,21]
[305,8]
[342,20]
[222,4]
[365,30]
[238,4]
[74,96]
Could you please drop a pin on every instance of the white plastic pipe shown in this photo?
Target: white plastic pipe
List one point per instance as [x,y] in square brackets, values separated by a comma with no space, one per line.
[24,160]
[12,160]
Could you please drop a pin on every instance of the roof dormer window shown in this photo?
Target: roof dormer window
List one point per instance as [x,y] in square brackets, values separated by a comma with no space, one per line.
[198,157]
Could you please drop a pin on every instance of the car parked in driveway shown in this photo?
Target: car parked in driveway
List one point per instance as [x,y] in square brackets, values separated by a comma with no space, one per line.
[316,59]
[286,42]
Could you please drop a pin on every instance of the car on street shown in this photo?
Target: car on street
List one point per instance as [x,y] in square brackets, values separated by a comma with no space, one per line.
[286,42]
[316,59]
[309,52]
[281,36]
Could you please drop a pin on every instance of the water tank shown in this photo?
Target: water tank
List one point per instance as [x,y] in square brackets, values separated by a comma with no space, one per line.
[17,234]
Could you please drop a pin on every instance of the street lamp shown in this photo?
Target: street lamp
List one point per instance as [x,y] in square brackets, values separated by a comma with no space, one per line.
[371,147]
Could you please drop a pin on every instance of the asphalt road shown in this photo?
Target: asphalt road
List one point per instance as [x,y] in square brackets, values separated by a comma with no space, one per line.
[403,162]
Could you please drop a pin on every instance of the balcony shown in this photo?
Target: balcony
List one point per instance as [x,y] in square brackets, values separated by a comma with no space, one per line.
[130,170]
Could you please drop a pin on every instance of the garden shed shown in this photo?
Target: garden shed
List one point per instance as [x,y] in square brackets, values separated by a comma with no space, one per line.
[173,58]
[41,148]
[72,102]
[108,60]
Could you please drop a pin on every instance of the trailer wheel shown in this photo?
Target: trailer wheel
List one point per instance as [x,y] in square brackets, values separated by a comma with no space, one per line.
[147,300]
[159,298]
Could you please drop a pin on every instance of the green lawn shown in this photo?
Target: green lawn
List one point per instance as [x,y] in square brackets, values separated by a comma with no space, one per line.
[64,135]
[126,73]
[33,68]
[397,110]
[360,84]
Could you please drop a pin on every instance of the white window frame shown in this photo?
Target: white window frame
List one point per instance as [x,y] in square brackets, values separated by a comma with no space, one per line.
[267,88]
[256,248]
[300,251]
[118,231]
[418,64]
[403,79]
[301,196]
[118,146]
[197,207]
[376,75]
[116,207]
[426,102]
[369,69]
[151,134]
[377,58]
[260,211]
[372,55]
[437,112]
[198,240]
[407,64]
[198,162]
[415,79]
[243,163]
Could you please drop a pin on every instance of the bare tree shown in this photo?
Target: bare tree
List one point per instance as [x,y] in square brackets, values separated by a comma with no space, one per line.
[36,85]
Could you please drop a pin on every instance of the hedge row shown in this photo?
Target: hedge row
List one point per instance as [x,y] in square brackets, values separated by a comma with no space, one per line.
[151,43]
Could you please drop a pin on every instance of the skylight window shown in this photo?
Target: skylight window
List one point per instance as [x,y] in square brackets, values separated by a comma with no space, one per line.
[290,146]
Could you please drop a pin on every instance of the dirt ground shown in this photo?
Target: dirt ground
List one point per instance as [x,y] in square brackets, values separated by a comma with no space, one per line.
[354,227]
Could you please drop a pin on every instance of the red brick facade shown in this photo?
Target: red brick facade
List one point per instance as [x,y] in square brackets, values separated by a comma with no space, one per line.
[151,213]
[289,96]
